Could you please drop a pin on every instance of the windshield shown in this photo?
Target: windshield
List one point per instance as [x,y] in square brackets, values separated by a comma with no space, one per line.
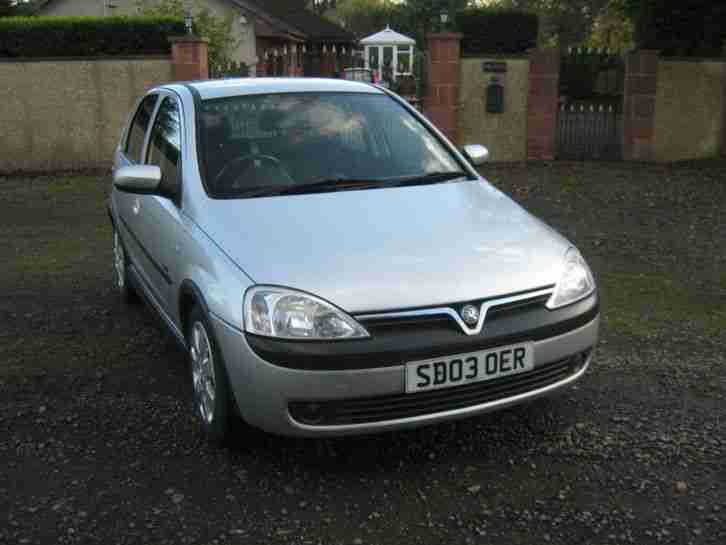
[258,145]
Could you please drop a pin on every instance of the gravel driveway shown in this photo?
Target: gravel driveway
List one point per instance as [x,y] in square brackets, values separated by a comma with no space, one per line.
[98,445]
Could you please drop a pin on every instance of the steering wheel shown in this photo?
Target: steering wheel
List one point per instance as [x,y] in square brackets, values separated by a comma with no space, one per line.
[231,167]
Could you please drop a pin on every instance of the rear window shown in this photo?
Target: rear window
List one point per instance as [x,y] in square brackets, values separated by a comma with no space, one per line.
[252,142]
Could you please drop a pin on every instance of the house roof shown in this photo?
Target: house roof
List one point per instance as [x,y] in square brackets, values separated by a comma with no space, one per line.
[387,36]
[292,17]
[286,18]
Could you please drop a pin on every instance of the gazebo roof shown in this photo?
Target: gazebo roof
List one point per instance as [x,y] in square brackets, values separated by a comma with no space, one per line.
[387,36]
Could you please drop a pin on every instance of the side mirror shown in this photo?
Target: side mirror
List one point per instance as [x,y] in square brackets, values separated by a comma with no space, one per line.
[142,179]
[477,154]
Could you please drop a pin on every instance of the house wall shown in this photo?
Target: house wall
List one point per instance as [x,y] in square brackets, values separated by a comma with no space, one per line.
[62,114]
[245,51]
[87,8]
[505,134]
[689,109]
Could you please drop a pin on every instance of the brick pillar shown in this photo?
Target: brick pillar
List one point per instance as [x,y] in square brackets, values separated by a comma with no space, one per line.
[442,102]
[641,82]
[189,57]
[542,100]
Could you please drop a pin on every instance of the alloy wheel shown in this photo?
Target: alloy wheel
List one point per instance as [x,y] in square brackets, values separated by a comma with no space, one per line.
[203,379]
[119,262]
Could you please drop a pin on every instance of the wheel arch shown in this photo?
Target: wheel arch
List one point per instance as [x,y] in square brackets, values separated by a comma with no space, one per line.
[189,296]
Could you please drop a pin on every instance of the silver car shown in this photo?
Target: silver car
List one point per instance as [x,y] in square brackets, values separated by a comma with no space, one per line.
[333,265]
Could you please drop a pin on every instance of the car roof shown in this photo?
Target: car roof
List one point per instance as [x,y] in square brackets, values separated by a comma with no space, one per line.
[224,88]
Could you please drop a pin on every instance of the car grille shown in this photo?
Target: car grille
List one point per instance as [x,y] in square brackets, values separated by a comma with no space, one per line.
[443,322]
[391,407]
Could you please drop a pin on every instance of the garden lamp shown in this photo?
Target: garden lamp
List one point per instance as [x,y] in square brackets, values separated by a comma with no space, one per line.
[188,21]
[444,16]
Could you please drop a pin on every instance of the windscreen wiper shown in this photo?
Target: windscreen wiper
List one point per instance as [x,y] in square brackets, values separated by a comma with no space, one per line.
[430,178]
[345,184]
[331,184]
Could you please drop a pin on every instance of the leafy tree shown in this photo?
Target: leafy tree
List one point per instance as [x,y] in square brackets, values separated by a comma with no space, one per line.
[218,30]
[321,6]
[562,22]
[19,8]
[613,29]
[364,17]
[411,17]
[686,27]
[7,8]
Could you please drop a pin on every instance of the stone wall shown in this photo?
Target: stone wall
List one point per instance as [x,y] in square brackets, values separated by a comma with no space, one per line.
[504,134]
[689,109]
[64,114]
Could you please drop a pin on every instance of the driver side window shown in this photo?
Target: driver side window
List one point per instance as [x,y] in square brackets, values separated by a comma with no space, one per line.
[137,131]
[164,147]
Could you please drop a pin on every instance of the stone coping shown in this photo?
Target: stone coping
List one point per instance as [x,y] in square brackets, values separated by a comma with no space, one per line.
[502,56]
[92,59]
[188,38]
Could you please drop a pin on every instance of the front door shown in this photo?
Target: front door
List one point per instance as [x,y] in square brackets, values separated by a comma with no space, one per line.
[157,216]
[388,65]
[129,205]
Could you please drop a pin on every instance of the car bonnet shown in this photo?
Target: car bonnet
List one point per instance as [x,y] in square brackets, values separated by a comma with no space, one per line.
[393,248]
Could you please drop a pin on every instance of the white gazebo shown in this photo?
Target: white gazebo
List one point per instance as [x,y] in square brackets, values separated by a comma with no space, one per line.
[388,47]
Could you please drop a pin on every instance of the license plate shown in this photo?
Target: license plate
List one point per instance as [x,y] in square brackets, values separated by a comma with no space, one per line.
[461,369]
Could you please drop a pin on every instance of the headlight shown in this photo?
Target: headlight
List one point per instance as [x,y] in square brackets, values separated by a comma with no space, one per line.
[575,283]
[288,314]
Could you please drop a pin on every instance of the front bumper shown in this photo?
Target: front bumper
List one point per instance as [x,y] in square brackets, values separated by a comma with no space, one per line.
[263,391]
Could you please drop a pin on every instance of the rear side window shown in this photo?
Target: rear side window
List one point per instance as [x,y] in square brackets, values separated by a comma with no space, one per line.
[135,140]
[165,145]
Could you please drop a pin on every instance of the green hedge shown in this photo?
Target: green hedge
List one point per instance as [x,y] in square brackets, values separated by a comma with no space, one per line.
[688,28]
[87,36]
[491,31]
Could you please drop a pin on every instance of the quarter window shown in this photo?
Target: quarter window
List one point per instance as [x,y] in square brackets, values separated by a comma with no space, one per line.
[139,125]
[165,146]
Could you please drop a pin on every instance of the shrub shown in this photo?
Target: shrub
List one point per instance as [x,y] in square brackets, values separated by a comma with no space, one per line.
[491,30]
[87,36]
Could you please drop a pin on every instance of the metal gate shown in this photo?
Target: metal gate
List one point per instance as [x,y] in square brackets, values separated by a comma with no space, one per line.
[315,60]
[590,117]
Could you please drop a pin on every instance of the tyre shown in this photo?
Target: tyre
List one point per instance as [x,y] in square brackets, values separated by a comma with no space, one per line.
[120,271]
[209,379]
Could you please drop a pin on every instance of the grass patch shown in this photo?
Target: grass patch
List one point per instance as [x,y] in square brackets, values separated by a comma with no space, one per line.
[50,351]
[641,304]
[53,232]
